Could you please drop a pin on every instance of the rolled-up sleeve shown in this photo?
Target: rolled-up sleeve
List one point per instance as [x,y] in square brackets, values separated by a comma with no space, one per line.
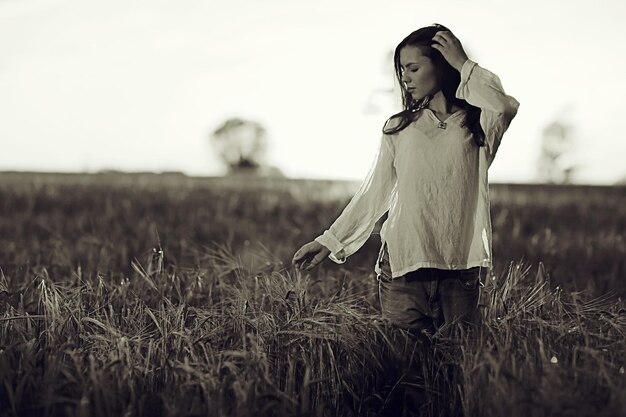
[482,88]
[355,224]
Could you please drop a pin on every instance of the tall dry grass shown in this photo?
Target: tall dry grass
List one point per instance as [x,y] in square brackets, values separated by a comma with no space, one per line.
[178,300]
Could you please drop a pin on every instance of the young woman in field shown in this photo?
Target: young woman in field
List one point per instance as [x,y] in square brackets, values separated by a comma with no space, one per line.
[430,175]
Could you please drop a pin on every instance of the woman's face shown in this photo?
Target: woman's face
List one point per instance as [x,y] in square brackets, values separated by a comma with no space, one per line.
[419,75]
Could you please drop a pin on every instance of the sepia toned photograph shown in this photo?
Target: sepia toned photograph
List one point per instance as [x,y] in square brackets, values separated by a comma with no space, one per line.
[342,208]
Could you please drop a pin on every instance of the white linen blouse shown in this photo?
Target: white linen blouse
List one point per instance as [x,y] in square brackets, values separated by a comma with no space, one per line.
[433,181]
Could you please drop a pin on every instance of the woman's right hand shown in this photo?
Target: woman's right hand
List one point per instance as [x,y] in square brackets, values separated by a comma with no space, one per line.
[309,255]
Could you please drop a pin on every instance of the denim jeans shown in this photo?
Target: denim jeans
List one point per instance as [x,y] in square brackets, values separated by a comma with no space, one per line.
[423,300]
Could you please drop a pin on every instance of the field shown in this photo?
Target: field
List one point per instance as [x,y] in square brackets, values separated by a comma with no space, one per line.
[144,295]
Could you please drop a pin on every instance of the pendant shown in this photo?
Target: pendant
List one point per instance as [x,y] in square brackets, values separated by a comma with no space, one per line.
[442,125]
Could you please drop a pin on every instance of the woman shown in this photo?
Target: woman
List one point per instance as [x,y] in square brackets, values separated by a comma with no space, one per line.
[430,174]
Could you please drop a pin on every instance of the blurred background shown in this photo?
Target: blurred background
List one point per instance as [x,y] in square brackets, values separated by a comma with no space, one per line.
[294,88]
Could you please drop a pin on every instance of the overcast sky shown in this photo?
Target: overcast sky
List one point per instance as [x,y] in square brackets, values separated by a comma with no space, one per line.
[139,85]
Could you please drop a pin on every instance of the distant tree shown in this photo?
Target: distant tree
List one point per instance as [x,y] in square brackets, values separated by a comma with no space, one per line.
[555,163]
[242,146]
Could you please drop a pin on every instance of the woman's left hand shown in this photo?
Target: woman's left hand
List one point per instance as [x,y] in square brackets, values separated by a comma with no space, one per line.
[450,47]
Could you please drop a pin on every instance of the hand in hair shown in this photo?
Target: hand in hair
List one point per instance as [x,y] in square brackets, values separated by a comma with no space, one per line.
[450,47]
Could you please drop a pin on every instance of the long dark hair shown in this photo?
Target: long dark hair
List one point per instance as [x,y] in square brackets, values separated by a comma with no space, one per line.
[449,80]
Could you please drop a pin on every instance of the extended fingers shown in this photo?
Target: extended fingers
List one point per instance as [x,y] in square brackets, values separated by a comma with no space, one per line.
[299,257]
[446,34]
[439,37]
[314,262]
[443,37]
[438,42]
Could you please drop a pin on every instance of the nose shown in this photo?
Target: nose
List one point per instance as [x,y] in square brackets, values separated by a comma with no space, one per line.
[405,79]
